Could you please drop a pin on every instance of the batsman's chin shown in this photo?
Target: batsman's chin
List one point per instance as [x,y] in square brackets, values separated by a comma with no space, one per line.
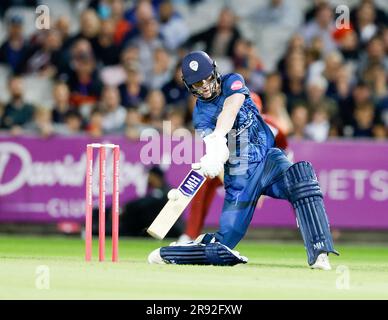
[155,258]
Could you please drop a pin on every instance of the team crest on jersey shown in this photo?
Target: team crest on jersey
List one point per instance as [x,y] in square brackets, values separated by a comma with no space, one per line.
[193,65]
[236,85]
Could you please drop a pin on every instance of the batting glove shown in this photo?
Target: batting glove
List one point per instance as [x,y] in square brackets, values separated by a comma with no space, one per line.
[217,153]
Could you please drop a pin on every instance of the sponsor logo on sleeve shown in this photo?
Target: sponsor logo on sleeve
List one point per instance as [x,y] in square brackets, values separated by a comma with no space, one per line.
[236,85]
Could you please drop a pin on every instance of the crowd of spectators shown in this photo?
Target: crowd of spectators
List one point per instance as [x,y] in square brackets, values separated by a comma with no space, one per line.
[120,72]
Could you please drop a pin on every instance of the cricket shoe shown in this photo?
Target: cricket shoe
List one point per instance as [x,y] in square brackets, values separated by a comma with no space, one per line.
[322,262]
[155,258]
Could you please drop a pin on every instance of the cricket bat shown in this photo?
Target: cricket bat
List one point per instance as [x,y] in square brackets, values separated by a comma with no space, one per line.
[174,208]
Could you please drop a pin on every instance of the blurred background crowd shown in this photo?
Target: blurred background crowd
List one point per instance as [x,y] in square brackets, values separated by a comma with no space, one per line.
[113,66]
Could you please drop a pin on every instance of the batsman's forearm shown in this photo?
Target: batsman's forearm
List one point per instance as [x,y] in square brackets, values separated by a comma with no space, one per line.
[229,113]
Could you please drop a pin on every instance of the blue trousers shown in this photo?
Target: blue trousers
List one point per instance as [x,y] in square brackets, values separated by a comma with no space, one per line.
[242,191]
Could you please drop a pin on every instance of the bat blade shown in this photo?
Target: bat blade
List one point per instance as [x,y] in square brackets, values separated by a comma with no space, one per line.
[174,208]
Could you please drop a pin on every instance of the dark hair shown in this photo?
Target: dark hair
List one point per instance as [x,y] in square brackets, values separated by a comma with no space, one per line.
[273,74]
[95,110]
[72,114]
[157,171]
[323,6]
[364,106]
[15,19]
[14,76]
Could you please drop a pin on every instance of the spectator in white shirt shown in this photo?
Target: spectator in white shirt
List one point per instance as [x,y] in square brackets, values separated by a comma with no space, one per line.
[148,42]
[322,26]
[114,113]
[319,127]
[173,27]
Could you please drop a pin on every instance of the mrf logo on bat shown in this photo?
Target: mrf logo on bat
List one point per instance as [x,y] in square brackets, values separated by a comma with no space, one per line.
[191,184]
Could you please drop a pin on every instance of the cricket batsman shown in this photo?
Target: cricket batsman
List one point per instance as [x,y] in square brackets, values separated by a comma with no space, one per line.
[201,203]
[252,167]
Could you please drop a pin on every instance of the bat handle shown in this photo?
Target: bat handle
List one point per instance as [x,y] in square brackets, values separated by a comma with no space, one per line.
[196,166]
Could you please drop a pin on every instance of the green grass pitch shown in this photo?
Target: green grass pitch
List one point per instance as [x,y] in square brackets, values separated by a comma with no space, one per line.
[274,271]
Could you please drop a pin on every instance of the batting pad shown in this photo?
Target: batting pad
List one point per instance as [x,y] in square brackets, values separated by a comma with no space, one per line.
[306,197]
[200,254]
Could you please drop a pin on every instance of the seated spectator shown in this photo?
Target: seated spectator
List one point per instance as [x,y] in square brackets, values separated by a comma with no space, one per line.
[130,56]
[83,81]
[316,89]
[326,67]
[154,109]
[17,112]
[175,91]
[294,79]
[365,18]
[147,42]
[143,10]
[381,17]
[348,44]
[89,27]
[122,28]
[329,68]
[133,124]
[1,110]
[72,124]
[6,4]
[376,77]
[365,124]
[95,125]
[310,13]
[322,26]
[113,113]
[42,124]
[272,86]
[61,95]
[385,38]
[14,48]
[278,13]
[248,64]
[318,128]
[62,25]
[375,54]
[161,71]
[295,44]
[299,119]
[341,88]
[107,52]
[44,58]
[177,120]
[219,40]
[132,92]
[116,75]
[360,94]
[314,52]
[173,27]
[190,106]
[382,110]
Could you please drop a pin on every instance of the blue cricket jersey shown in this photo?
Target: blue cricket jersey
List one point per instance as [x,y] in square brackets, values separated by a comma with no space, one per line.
[252,135]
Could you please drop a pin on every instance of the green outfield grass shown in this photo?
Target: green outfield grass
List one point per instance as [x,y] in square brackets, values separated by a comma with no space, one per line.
[274,271]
